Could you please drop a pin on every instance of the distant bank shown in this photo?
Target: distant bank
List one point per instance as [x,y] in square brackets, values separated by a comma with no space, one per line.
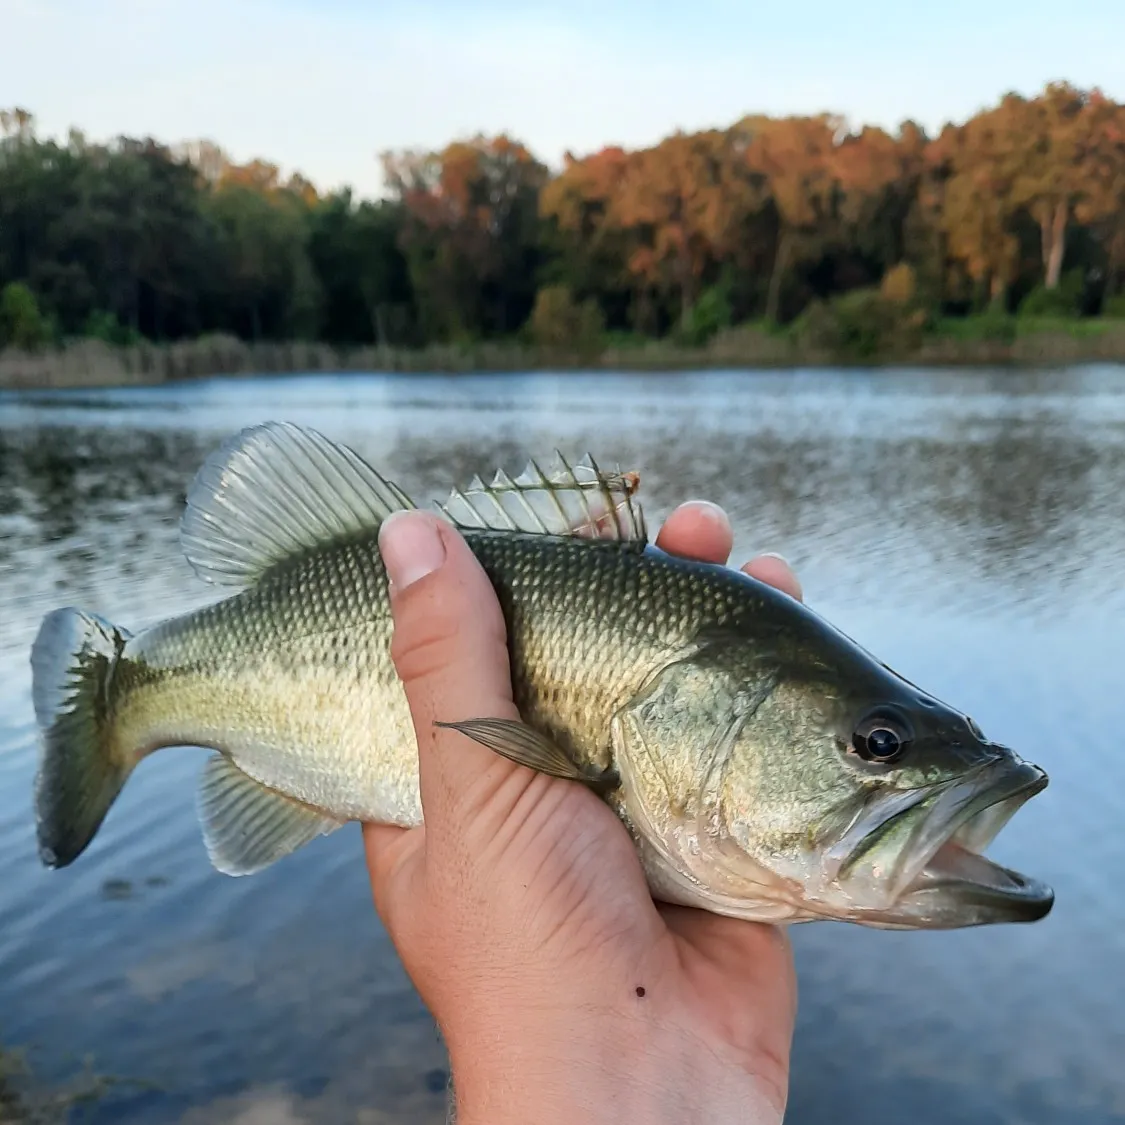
[975,341]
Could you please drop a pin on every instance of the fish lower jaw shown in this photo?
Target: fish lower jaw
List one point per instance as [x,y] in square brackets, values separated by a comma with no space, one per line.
[954,861]
[955,865]
[956,887]
[954,879]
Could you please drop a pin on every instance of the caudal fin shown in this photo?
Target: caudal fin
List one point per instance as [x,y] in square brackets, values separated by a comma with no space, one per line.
[79,775]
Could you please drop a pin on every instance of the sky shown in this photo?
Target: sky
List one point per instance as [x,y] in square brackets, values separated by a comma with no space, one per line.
[323,86]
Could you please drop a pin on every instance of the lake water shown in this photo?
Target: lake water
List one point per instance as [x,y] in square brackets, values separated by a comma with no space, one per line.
[968,527]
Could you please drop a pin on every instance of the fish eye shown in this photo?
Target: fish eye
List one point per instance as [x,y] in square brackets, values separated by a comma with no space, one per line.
[881,737]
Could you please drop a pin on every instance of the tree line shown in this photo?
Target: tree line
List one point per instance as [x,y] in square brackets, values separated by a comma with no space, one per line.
[1022,207]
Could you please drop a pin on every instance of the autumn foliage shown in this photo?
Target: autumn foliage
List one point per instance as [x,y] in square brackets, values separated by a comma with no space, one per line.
[799,219]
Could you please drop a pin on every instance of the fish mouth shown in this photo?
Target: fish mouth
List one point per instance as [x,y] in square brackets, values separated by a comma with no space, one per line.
[927,853]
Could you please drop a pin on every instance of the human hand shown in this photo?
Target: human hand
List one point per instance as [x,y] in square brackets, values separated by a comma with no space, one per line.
[520,909]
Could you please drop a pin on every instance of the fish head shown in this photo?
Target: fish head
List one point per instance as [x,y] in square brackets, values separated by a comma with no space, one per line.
[867,800]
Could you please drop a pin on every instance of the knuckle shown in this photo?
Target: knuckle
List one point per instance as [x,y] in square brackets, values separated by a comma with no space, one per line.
[428,620]
[439,626]
[420,658]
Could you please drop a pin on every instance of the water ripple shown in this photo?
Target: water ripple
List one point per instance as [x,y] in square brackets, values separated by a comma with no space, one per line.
[969,527]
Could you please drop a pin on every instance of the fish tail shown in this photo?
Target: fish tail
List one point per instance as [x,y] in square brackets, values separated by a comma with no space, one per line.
[80,770]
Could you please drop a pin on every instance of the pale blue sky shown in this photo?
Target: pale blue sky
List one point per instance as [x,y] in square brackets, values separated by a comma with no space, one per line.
[324,86]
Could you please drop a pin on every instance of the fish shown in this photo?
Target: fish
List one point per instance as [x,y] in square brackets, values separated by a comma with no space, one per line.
[766,766]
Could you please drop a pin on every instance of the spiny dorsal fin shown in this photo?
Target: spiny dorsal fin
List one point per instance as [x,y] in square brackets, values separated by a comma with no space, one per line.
[581,501]
[273,491]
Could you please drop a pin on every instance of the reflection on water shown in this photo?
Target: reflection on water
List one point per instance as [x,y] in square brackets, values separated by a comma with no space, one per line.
[968,527]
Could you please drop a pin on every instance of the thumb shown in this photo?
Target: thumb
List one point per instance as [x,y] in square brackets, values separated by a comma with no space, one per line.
[451,653]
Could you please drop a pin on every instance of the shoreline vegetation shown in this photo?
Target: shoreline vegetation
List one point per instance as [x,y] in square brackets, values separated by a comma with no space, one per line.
[967,342]
[771,242]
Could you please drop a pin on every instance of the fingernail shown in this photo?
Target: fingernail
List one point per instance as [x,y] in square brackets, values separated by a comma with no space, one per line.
[711,511]
[775,555]
[411,547]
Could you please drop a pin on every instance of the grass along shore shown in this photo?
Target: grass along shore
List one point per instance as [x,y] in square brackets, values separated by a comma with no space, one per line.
[971,341]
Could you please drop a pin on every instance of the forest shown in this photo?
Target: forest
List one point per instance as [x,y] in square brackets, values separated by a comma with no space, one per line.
[795,224]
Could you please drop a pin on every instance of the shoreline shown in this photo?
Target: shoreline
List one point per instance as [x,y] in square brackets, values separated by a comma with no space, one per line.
[92,363]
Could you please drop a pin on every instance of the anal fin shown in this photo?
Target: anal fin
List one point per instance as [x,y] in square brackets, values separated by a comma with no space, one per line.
[247,826]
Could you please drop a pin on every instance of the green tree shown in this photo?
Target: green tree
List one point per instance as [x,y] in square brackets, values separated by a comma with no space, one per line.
[22,325]
[354,250]
[270,289]
[559,321]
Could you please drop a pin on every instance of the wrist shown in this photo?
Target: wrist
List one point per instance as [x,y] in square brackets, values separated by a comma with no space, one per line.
[603,1071]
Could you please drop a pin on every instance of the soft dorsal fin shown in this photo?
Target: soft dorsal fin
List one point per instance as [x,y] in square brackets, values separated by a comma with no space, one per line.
[573,501]
[273,491]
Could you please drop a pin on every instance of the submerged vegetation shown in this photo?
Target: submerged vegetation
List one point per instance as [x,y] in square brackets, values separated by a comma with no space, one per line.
[774,240]
[25,1101]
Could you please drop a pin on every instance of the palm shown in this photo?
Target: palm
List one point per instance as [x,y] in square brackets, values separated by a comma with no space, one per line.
[567,884]
[731,981]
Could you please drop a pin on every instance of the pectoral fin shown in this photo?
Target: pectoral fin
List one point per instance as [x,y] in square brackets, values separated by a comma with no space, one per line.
[517,742]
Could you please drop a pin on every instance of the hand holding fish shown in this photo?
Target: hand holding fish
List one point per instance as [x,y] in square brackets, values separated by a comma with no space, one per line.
[765,767]
[522,912]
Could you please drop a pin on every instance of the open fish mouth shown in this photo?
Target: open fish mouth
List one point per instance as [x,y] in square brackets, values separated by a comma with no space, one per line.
[956,863]
[925,851]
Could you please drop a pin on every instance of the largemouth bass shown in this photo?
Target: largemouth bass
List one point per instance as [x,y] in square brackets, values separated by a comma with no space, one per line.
[766,766]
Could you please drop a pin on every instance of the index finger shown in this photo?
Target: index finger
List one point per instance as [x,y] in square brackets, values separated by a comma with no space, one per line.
[697,529]
[701,530]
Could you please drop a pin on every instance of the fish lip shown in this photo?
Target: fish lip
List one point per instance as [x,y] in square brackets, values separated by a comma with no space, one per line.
[949,873]
[953,866]
[942,875]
